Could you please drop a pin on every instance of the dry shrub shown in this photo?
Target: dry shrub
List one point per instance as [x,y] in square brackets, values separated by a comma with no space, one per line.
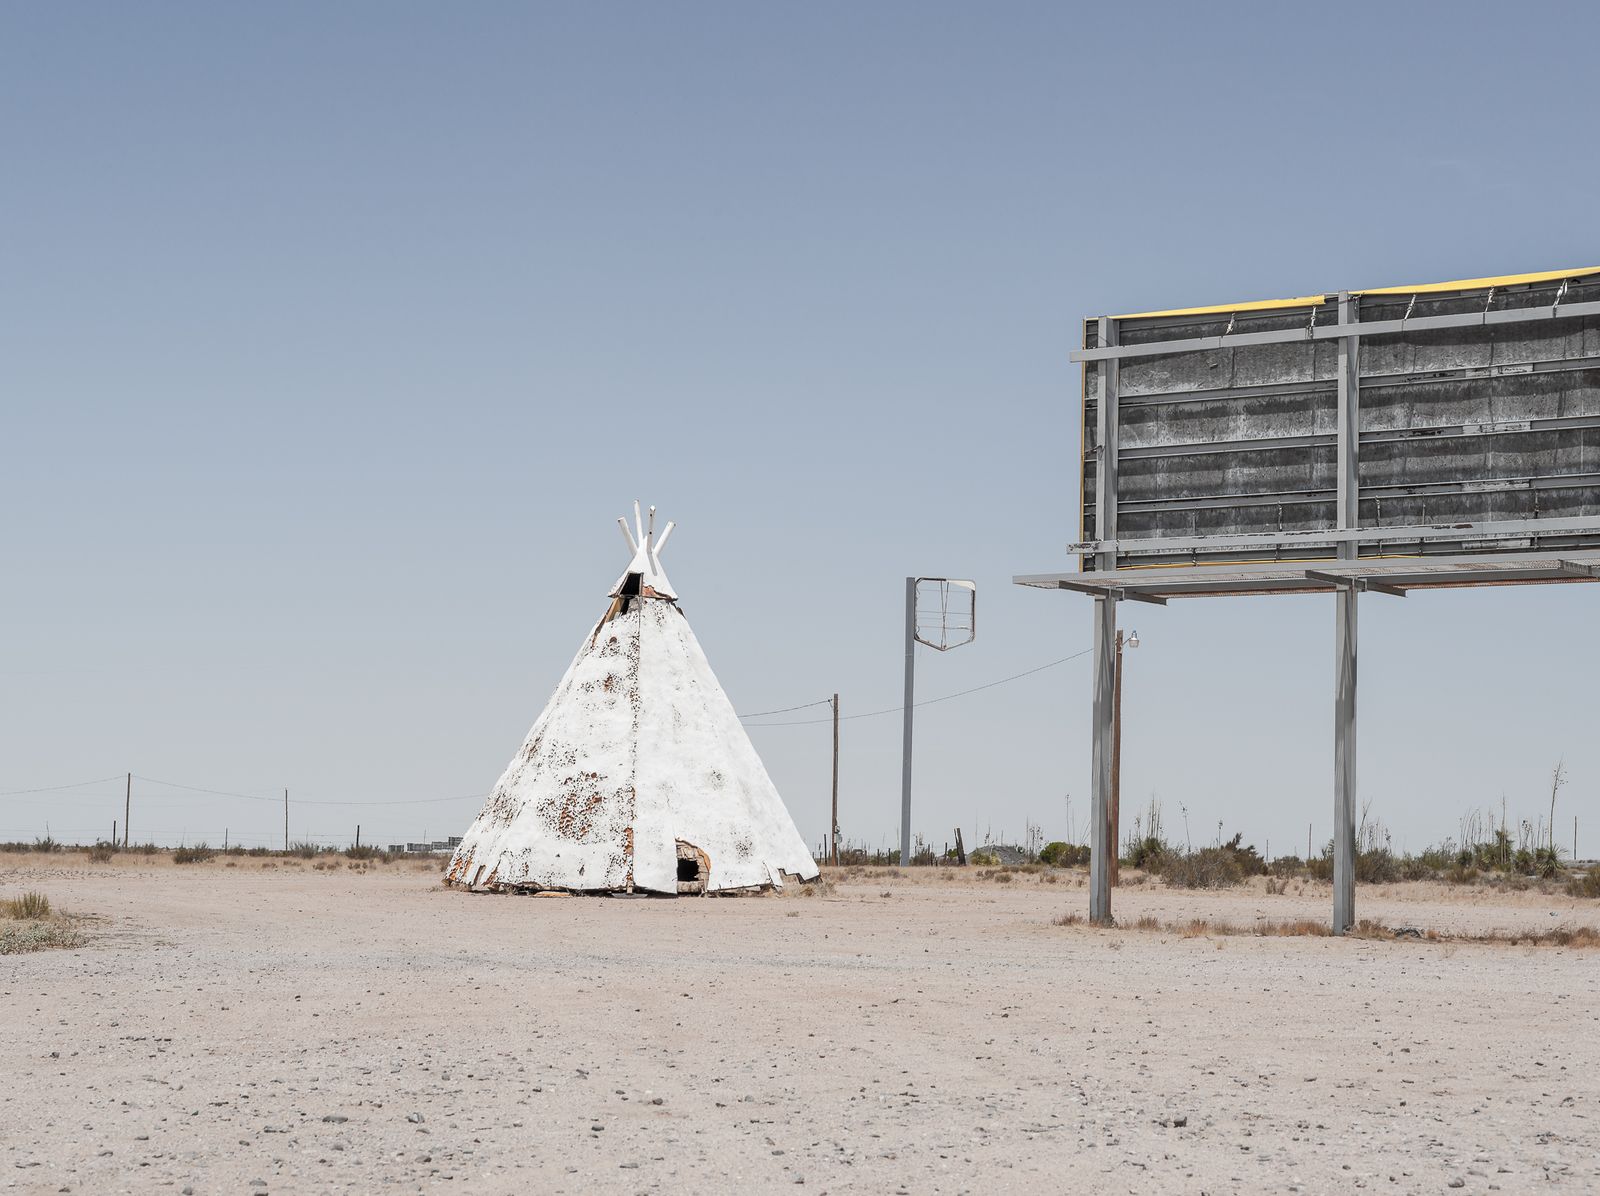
[1064,855]
[1560,936]
[29,905]
[1002,878]
[1208,868]
[101,853]
[198,854]
[1147,922]
[1587,885]
[1050,878]
[1376,866]
[39,936]
[1067,920]
[1417,867]
[1300,927]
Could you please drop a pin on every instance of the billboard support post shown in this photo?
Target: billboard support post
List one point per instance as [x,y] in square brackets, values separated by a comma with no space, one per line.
[905,740]
[1100,844]
[1102,816]
[1344,763]
[1347,508]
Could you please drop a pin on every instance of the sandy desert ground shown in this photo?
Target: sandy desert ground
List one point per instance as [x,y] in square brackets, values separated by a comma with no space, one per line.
[292,1030]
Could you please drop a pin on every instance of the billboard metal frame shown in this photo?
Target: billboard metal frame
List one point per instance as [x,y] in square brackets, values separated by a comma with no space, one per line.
[1514,551]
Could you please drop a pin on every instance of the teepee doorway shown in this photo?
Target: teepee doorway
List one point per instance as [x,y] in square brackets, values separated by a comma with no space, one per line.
[694,869]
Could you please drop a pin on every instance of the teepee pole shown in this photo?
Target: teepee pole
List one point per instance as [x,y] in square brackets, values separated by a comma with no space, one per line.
[626,534]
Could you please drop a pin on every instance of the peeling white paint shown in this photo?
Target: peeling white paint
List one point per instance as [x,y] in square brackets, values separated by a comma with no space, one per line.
[638,748]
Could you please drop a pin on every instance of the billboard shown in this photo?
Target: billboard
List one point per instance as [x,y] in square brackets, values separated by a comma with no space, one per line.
[1448,419]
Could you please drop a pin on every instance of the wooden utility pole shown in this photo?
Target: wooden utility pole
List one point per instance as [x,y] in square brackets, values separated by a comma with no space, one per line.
[127,808]
[358,836]
[835,779]
[286,821]
[1116,767]
[114,831]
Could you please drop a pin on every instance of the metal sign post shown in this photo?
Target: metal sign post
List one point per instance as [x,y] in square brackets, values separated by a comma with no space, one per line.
[943,627]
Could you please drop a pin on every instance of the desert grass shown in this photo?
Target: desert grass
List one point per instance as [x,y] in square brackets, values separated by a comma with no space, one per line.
[1580,937]
[29,905]
[30,925]
[105,852]
[1587,885]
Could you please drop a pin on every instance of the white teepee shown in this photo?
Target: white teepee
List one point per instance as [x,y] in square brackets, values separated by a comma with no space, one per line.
[637,775]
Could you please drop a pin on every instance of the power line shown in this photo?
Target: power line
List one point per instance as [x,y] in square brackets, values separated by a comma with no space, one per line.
[425,801]
[806,722]
[199,789]
[787,709]
[58,788]
[301,801]
[404,801]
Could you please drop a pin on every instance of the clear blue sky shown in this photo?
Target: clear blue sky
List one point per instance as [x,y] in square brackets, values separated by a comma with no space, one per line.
[333,338]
